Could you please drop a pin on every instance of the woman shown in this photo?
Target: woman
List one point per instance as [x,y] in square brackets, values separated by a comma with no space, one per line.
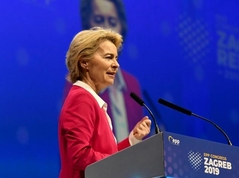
[85,129]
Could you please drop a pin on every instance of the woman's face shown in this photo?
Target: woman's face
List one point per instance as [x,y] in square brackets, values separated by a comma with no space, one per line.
[104,14]
[103,66]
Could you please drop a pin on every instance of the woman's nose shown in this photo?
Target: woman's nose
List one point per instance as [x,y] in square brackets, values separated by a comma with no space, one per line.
[115,64]
[106,24]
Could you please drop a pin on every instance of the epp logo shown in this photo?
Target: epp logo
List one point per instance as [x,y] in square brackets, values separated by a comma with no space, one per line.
[173,140]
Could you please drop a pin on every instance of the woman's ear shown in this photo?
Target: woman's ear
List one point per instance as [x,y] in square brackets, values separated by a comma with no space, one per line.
[84,64]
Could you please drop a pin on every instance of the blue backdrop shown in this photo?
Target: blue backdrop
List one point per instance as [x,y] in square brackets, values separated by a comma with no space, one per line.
[186,52]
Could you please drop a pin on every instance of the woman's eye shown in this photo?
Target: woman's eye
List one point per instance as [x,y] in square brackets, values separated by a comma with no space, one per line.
[112,21]
[109,57]
[98,19]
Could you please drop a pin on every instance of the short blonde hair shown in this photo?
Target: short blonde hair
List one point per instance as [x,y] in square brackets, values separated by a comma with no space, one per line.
[84,45]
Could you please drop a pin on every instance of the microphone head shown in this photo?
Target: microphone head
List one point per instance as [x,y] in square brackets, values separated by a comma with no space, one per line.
[137,99]
[175,107]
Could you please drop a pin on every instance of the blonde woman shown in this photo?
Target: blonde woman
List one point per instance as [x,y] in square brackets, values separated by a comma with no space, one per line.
[85,129]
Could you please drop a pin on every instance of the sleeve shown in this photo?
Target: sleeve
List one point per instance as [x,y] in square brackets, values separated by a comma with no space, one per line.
[123,144]
[78,124]
[131,140]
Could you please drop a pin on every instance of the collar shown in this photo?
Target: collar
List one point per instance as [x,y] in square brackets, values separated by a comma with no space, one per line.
[99,100]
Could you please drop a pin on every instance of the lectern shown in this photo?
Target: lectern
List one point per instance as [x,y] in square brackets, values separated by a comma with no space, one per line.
[170,155]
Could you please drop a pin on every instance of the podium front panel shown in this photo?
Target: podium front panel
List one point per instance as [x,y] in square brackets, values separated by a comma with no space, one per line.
[142,160]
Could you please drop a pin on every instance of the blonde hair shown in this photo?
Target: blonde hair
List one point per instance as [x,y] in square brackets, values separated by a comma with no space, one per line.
[84,45]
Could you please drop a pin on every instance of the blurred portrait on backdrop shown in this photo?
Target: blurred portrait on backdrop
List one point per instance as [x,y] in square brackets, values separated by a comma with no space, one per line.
[123,111]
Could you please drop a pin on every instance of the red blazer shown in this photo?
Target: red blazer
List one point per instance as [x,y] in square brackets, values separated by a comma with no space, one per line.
[84,133]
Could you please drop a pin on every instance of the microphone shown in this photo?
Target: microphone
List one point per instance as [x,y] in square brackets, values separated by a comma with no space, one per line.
[141,103]
[185,111]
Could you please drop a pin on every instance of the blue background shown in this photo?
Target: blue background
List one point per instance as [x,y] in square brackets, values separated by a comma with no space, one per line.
[186,52]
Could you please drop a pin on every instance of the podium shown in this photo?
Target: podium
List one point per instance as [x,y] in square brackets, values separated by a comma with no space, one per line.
[170,155]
